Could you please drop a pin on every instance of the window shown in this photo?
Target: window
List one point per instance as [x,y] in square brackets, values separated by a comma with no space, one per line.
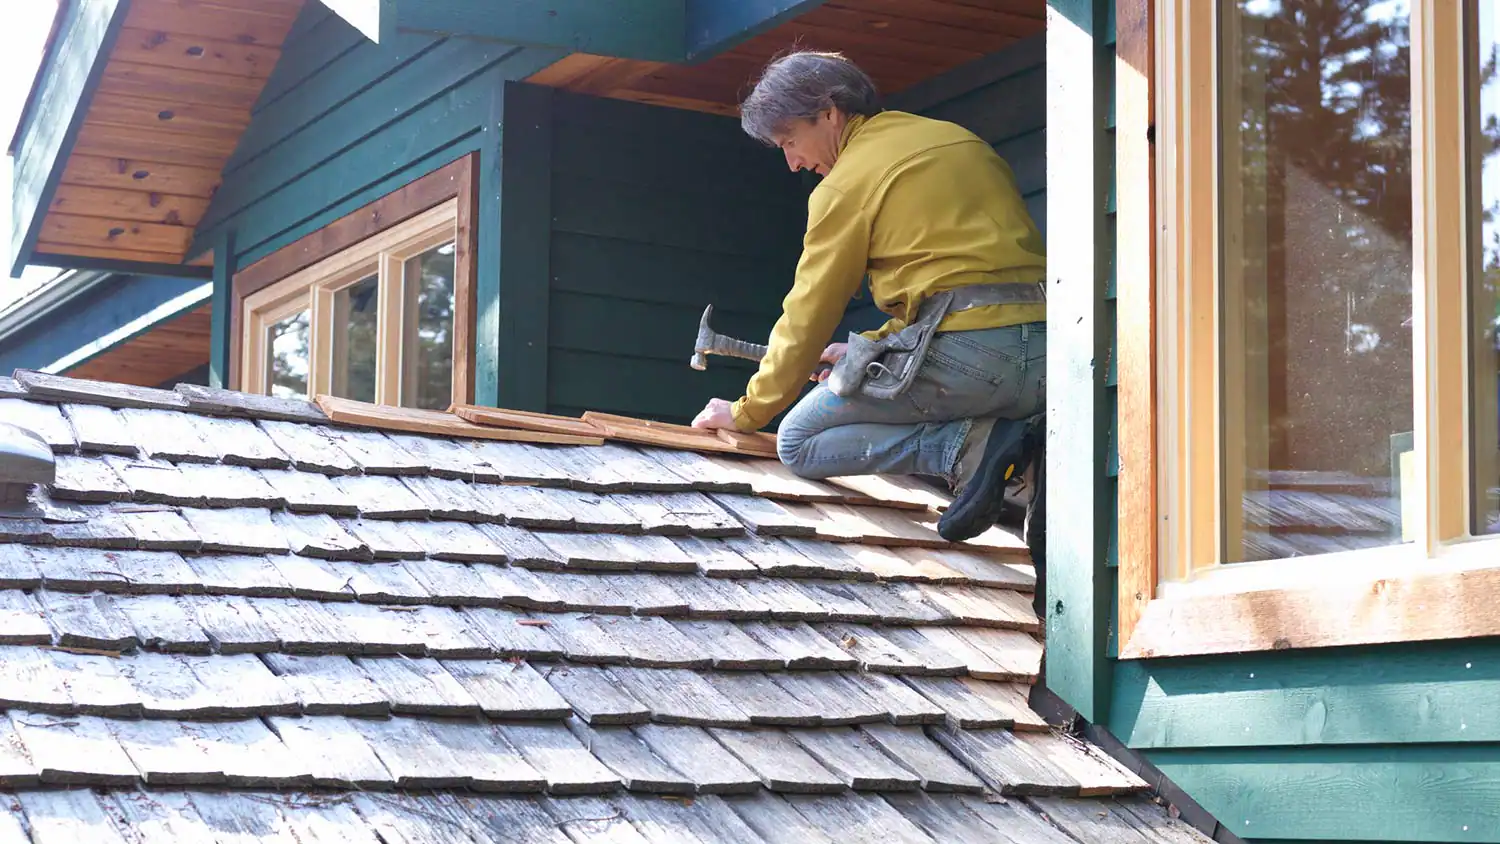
[376,306]
[373,323]
[1322,455]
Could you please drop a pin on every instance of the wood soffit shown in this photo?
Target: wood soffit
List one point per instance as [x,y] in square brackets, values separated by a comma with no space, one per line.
[898,42]
[175,97]
[158,356]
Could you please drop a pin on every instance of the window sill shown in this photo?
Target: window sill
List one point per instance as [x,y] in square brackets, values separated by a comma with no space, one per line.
[1391,595]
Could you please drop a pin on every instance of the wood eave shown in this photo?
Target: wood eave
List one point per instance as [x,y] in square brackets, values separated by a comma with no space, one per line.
[158,122]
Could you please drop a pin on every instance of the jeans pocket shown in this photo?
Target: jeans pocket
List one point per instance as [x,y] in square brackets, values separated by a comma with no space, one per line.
[957,383]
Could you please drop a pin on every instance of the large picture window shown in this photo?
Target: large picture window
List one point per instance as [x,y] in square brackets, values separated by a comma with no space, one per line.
[375,307]
[1322,461]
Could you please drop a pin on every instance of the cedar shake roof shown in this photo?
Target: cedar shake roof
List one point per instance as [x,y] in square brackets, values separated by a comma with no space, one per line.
[240,622]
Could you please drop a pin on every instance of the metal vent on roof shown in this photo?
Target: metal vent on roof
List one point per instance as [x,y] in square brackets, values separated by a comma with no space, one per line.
[25,461]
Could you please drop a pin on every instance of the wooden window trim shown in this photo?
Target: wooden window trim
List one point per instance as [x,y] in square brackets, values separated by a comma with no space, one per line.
[457,180]
[1170,602]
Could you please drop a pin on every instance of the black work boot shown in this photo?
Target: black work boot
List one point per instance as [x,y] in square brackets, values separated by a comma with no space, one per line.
[1011,444]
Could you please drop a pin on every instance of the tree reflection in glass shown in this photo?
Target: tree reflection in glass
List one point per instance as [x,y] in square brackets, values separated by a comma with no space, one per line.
[289,352]
[427,336]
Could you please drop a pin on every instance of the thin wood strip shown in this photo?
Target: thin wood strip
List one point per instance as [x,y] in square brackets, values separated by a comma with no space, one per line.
[350,412]
[666,435]
[524,420]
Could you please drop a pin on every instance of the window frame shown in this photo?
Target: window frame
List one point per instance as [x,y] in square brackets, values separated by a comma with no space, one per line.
[396,226]
[1174,598]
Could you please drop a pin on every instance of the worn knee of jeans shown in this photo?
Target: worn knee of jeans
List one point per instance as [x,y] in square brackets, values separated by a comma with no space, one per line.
[789,442]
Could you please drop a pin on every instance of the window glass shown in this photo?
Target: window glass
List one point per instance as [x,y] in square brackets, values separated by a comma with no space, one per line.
[427,337]
[1484,185]
[1316,197]
[287,342]
[355,338]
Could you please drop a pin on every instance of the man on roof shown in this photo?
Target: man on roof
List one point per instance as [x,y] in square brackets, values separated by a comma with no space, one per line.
[954,384]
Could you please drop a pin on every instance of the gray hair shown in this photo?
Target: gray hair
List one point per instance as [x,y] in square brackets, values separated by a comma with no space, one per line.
[800,86]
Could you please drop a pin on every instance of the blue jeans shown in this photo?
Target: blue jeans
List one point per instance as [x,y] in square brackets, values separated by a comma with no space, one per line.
[967,378]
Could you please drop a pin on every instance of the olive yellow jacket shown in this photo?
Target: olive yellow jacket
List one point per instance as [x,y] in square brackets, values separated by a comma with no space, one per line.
[922,206]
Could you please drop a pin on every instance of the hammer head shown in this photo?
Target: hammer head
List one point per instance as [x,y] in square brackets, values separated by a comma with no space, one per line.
[705,342]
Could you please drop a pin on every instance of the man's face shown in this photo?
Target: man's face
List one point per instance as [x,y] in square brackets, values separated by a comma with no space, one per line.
[812,144]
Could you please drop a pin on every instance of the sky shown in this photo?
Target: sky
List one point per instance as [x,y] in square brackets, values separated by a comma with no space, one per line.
[22,37]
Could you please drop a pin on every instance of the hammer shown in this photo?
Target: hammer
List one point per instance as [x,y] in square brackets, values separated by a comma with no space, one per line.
[711,342]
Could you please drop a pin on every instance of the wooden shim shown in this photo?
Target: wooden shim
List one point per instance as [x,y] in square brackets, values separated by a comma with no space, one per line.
[99,429]
[624,753]
[310,492]
[567,765]
[523,420]
[44,420]
[490,762]
[309,448]
[780,763]
[506,689]
[765,702]
[329,685]
[728,647]
[595,695]
[667,435]
[418,687]
[233,403]
[704,761]
[411,420]
[937,770]
[76,750]
[1006,763]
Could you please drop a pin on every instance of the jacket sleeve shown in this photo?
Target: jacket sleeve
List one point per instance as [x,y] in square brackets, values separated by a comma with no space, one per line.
[834,254]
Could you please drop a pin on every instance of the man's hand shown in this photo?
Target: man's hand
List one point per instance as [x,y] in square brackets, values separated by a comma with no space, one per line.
[717,414]
[831,356]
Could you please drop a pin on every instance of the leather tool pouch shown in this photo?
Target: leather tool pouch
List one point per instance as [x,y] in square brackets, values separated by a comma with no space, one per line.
[885,368]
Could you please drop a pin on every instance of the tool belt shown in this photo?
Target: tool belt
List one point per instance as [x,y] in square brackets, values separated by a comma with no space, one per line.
[885,368]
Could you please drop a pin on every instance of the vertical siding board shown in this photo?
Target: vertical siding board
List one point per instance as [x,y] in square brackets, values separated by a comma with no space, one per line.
[1078,583]
[220,330]
[526,215]
[487,257]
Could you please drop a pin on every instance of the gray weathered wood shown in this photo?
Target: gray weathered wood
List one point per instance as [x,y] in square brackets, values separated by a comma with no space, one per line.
[380,497]
[728,647]
[406,748]
[840,601]
[874,651]
[445,458]
[860,819]
[1156,824]
[245,683]
[1006,763]
[840,701]
[387,540]
[443,632]
[161,572]
[519,587]
[701,472]
[589,551]
[965,708]
[680,514]
[936,768]
[507,819]
[704,761]
[87,479]
[234,403]
[592,820]
[380,631]
[323,819]
[716,597]
[168,435]
[156,481]
[641,473]
[447,499]
[567,765]
[318,535]
[376,453]
[520,463]
[250,754]
[593,511]
[973,566]
[764,517]
[44,420]
[162,817]
[715,558]
[1019,820]
[308,627]
[380,583]
[678,696]
[775,821]
[309,448]
[418,686]
[99,429]
[310,492]
[584,640]
[654,643]
[314,579]
[589,593]
[578,468]
[240,442]
[239,574]
[853,756]
[705,819]
[783,598]
[522,547]
[411,819]
[1014,654]
[87,526]
[816,558]
[237,530]
[523,506]
[799,645]
[453,584]
[79,569]
[168,688]
[21,621]
[1090,820]
[935,659]
[454,541]
[490,761]
[29,679]
[595,695]
[979,662]
[899,603]
[242,816]
[781,763]
[946,820]
[73,750]
[901,702]
[645,594]
[87,621]
[329,685]
[18,567]
[982,606]
[163,624]
[765,702]
[514,634]
[625,754]
[506,689]
[166,755]
[68,816]
[157,528]
[233,623]
[95,684]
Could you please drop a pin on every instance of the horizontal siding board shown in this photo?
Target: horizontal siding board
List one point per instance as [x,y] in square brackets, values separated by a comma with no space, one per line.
[442,86]
[317,26]
[978,73]
[1441,793]
[111,305]
[1009,108]
[1027,156]
[607,325]
[1393,695]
